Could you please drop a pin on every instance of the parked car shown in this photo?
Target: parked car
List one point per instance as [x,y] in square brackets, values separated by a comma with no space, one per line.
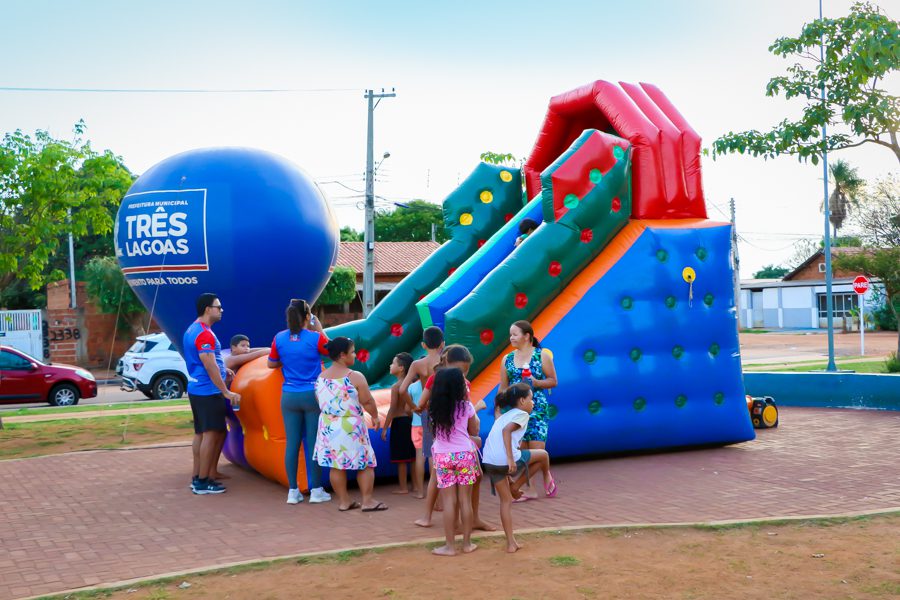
[154,367]
[24,378]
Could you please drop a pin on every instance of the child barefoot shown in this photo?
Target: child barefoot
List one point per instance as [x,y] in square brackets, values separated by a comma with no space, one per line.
[504,460]
[399,420]
[452,420]
[419,371]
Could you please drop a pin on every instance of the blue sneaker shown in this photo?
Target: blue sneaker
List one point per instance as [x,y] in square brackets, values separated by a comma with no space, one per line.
[194,481]
[208,487]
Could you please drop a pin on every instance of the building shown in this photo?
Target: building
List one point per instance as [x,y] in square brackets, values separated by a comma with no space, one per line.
[797,301]
[393,262]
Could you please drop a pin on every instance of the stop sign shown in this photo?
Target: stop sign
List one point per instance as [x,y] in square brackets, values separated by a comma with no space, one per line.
[860,284]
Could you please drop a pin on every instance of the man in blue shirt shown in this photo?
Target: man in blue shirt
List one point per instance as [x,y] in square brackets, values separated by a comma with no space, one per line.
[207,391]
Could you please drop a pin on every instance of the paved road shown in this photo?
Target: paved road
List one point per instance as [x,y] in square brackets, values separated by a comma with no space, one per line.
[93,518]
[106,394]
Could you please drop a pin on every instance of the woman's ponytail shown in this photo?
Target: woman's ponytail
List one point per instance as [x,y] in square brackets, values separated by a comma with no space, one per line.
[297,314]
[510,398]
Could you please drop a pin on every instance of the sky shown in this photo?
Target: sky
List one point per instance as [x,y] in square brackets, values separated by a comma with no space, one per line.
[469,77]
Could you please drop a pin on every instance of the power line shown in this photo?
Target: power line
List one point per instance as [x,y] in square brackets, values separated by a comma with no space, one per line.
[176,90]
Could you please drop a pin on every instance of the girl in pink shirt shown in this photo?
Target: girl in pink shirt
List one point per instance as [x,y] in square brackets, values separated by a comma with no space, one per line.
[452,419]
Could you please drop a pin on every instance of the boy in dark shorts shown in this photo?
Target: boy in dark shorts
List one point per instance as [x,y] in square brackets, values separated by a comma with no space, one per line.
[399,420]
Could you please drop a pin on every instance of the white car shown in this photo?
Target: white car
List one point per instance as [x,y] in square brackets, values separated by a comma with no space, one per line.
[153,366]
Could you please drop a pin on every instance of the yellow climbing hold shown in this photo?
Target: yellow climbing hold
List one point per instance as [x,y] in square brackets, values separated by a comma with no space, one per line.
[486,196]
[465,219]
[243,429]
[688,274]
[505,176]
[265,433]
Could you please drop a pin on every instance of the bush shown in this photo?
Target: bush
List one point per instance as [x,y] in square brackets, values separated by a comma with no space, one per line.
[883,317]
[341,287]
[892,363]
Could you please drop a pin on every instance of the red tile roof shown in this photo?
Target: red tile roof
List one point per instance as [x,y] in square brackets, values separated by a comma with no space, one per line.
[391,258]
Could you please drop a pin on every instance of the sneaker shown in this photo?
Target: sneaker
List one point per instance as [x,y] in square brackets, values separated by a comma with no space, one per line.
[294,496]
[194,481]
[317,495]
[208,487]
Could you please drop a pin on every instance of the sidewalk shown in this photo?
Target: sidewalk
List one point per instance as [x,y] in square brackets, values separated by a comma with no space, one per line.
[93,414]
[128,514]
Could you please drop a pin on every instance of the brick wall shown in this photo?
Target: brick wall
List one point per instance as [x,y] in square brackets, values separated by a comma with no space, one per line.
[83,336]
[811,272]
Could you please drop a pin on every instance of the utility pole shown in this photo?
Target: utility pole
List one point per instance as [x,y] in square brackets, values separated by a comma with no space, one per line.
[829,299]
[72,290]
[369,236]
[737,262]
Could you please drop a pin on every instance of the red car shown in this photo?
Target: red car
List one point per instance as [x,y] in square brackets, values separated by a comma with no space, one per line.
[24,378]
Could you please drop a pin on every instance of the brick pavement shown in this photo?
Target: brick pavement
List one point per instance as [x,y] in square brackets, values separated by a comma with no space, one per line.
[85,519]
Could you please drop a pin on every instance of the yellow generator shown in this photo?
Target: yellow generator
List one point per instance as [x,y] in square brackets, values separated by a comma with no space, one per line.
[763,412]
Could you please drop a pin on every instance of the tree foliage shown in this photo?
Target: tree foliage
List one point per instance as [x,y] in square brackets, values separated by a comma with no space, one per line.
[771,272]
[411,223]
[341,287]
[496,158]
[862,49]
[107,287]
[348,234]
[844,197]
[48,188]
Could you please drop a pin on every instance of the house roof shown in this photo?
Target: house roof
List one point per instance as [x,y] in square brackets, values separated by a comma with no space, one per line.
[818,254]
[391,258]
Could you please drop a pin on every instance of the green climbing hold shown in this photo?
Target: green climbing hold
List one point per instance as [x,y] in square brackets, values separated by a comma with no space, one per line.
[680,400]
[677,351]
[590,356]
[618,152]
[594,407]
[640,404]
[570,201]
[662,255]
[708,299]
[719,398]
[596,175]
[714,349]
[671,302]
[627,303]
[635,354]
[552,411]
[701,253]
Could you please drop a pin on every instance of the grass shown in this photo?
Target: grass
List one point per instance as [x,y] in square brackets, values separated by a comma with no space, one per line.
[52,410]
[863,366]
[751,331]
[24,440]
[564,560]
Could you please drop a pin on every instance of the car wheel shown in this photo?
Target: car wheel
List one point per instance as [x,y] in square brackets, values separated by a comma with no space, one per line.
[65,394]
[168,387]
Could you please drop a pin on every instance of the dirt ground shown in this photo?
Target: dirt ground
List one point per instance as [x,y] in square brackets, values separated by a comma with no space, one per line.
[850,559]
[777,347]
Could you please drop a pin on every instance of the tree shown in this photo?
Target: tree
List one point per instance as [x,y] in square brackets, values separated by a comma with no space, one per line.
[878,218]
[411,222]
[348,234]
[861,50]
[107,287]
[48,188]
[771,272]
[847,187]
[803,249]
[496,158]
[341,287]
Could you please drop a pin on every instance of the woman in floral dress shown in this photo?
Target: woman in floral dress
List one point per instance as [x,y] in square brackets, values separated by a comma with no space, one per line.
[342,442]
[528,354]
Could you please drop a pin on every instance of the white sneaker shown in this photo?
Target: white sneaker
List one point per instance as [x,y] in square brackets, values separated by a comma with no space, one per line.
[318,494]
[294,496]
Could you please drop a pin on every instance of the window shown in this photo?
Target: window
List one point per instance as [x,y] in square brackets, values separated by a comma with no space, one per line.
[843,303]
[13,362]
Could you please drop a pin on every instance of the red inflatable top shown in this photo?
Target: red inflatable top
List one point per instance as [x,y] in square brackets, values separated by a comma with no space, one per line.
[666,176]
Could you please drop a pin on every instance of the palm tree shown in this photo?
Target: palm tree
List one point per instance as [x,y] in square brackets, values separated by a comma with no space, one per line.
[847,186]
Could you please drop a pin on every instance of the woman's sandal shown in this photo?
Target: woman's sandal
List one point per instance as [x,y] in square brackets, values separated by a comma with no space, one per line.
[378,507]
[551,489]
[353,505]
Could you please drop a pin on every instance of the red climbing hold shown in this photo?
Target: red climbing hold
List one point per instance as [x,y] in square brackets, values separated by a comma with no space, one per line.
[481,243]
[555,269]
[508,217]
[487,336]
[396,330]
[362,355]
[451,271]
[586,235]
[616,204]
[521,300]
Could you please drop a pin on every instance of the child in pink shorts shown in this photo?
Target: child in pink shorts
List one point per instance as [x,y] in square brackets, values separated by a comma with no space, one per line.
[452,420]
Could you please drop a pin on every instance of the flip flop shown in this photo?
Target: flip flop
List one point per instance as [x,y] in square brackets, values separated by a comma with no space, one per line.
[378,507]
[522,498]
[352,506]
[551,489]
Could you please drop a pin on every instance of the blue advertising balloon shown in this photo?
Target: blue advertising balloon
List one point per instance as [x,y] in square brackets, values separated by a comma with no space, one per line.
[245,224]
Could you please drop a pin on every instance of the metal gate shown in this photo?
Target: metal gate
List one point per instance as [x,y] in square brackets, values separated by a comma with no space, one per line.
[21,329]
